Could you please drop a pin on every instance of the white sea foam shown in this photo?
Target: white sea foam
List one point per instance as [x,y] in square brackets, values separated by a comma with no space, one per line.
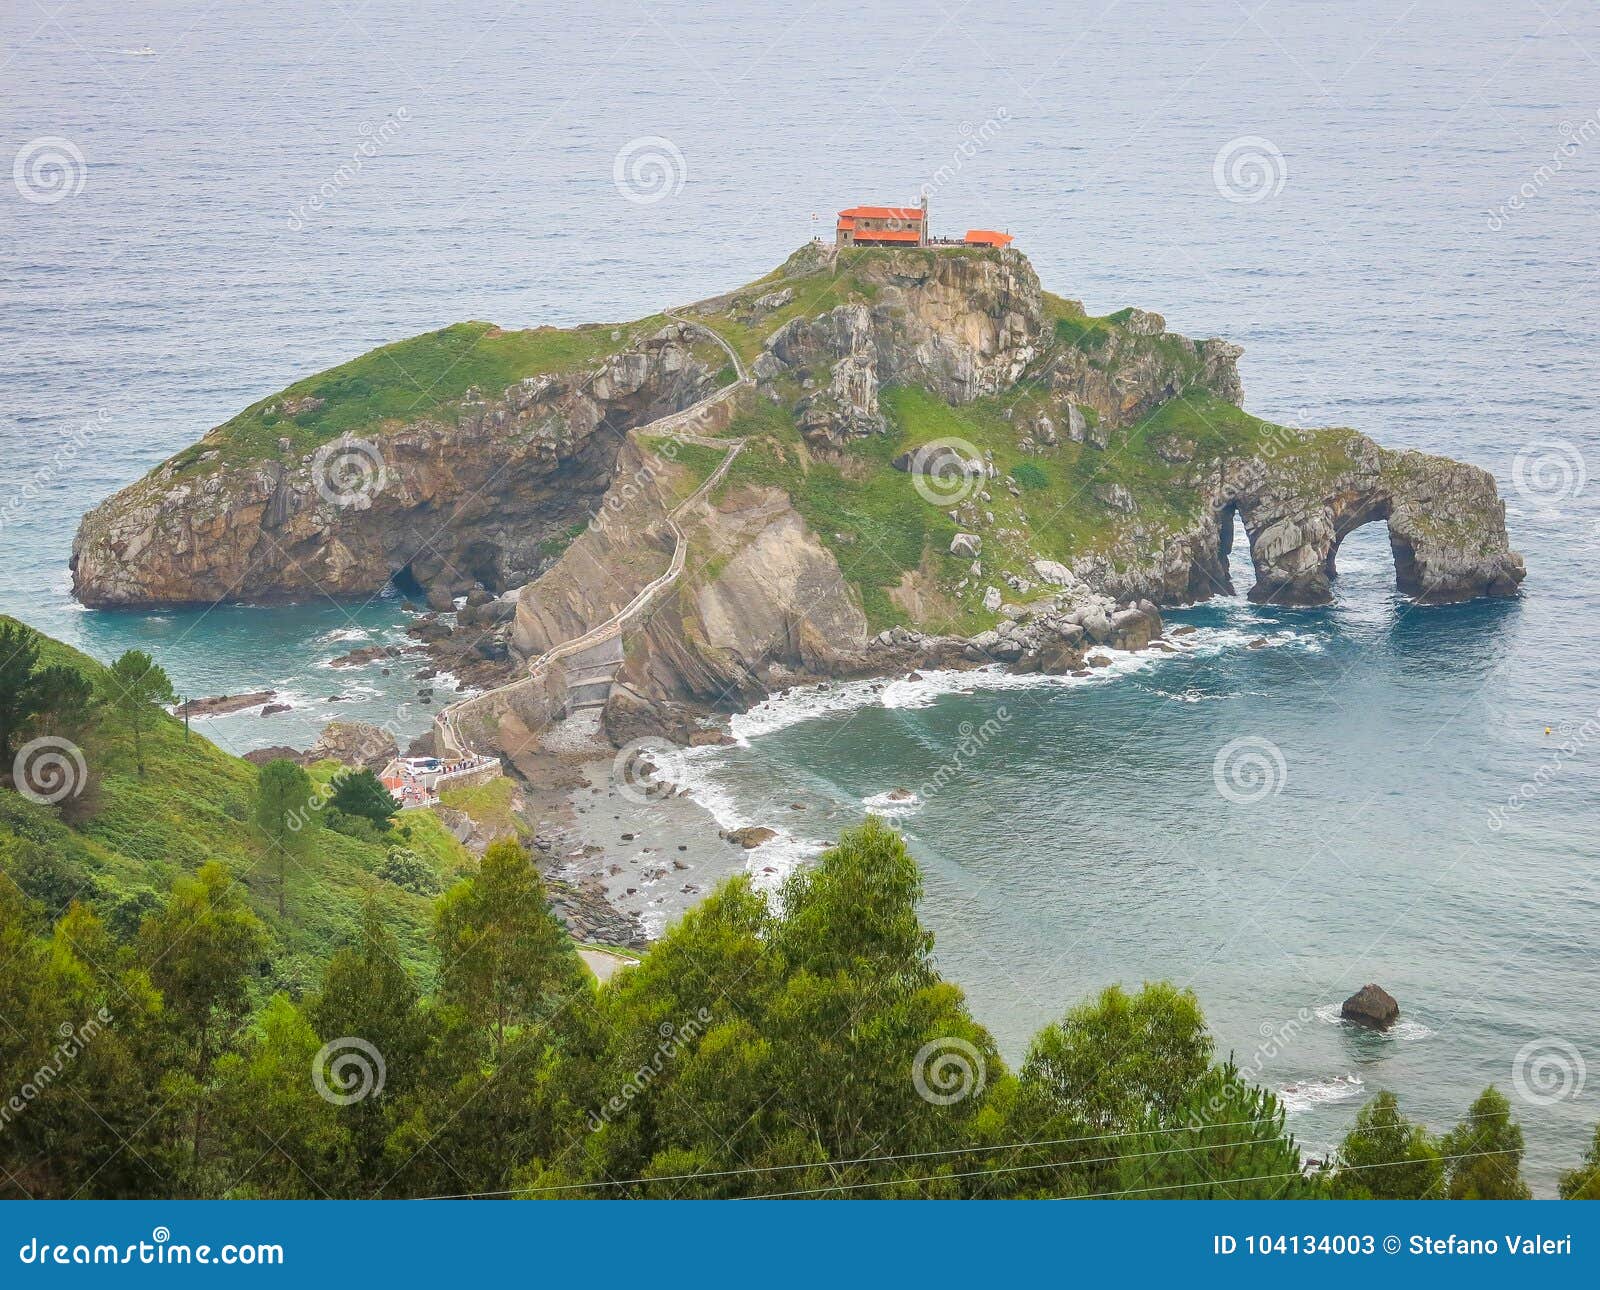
[771,862]
[1408,1028]
[1302,1095]
[340,635]
[806,703]
[893,805]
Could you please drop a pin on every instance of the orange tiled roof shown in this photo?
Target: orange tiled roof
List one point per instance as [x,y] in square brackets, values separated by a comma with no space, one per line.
[845,223]
[882,212]
[987,237]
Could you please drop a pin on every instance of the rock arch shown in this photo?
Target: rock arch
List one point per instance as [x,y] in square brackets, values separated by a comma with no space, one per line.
[1446,524]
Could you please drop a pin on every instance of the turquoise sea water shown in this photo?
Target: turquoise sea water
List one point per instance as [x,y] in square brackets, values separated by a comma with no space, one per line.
[1425,272]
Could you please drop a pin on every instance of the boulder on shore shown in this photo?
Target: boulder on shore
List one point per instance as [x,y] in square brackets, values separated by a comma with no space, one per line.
[752,835]
[1371,1005]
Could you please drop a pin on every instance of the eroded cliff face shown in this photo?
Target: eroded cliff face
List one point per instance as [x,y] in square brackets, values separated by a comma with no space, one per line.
[478,492]
[1296,502]
[962,326]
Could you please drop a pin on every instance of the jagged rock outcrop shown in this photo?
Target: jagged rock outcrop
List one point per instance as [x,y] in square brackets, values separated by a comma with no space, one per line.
[766,592]
[353,743]
[1298,501]
[470,493]
[961,326]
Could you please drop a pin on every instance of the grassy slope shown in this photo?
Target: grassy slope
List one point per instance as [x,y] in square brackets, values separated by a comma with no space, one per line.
[191,807]
[407,380]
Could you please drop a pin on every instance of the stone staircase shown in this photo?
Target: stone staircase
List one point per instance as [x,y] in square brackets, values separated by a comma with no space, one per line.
[588,664]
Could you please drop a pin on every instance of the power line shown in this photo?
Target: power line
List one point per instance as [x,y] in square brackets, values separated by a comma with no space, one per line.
[918,1155]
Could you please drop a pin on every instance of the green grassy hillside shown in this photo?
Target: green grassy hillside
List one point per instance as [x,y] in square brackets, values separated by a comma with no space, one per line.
[193,805]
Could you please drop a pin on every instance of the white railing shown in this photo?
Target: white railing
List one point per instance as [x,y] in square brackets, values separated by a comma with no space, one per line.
[445,723]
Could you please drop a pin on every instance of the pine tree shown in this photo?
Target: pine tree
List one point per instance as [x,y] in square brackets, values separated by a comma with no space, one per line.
[203,948]
[1387,1157]
[284,817]
[1483,1154]
[131,688]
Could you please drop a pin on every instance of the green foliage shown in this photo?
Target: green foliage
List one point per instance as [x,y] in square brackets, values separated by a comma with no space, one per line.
[1583,1183]
[505,960]
[408,871]
[203,949]
[1030,475]
[270,1113]
[361,793]
[131,688]
[1158,1050]
[20,696]
[284,815]
[1387,1157]
[1483,1154]
[35,692]
[1225,1141]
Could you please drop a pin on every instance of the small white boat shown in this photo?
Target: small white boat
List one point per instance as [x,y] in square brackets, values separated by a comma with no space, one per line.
[143,52]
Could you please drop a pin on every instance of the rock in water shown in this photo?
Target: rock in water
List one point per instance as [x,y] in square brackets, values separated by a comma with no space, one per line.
[752,835]
[1371,1005]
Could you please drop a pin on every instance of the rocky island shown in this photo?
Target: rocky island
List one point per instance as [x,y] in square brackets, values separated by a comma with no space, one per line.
[868,461]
